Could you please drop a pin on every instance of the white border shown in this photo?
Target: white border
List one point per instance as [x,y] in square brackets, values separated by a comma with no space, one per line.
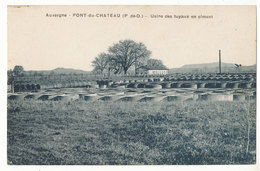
[3,99]
[3,69]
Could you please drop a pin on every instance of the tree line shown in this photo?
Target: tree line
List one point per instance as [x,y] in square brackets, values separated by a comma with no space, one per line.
[124,56]
[121,57]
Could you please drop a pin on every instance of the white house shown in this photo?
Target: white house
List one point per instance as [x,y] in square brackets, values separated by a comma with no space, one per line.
[158,71]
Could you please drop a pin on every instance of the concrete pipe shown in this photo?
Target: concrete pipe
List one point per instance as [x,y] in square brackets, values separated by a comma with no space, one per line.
[210,85]
[176,85]
[188,85]
[201,85]
[166,85]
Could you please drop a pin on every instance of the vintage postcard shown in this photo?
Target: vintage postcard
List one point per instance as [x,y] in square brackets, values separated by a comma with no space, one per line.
[131,85]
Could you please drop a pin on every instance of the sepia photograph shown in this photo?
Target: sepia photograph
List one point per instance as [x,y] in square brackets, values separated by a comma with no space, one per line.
[131,85]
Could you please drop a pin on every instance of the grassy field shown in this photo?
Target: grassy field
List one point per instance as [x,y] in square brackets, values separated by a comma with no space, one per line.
[128,133]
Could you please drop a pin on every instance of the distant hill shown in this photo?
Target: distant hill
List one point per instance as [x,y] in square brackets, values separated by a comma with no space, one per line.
[56,71]
[212,68]
[208,65]
[68,71]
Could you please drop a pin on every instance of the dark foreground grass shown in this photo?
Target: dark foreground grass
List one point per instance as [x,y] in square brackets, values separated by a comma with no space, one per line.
[79,133]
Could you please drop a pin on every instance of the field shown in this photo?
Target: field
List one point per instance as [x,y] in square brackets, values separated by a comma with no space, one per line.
[175,120]
[83,132]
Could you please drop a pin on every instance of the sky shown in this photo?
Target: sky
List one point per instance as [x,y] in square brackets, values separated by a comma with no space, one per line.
[38,42]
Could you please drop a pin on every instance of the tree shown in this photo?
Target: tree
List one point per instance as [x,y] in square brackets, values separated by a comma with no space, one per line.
[126,53]
[100,63]
[155,64]
[18,70]
[10,76]
[114,66]
[10,79]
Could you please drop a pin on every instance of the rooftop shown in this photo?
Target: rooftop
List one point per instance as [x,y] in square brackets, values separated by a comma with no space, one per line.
[157,68]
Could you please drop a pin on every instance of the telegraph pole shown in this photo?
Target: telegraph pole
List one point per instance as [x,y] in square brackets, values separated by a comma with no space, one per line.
[219,61]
